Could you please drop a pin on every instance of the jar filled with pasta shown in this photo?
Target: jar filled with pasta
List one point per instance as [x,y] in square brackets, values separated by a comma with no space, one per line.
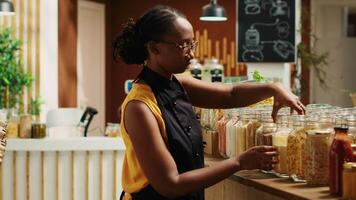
[294,146]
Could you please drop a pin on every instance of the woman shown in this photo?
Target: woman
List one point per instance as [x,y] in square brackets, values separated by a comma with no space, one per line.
[164,153]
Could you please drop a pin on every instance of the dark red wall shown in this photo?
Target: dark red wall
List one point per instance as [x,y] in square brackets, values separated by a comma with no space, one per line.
[117,13]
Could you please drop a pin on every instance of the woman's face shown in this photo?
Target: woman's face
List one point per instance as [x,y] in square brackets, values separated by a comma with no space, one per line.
[176,49]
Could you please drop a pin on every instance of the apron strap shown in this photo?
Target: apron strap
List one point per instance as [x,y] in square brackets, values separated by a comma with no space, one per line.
[122,195]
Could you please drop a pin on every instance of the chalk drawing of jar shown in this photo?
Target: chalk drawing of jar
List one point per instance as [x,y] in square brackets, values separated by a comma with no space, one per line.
[284,49]
[283,29]
[279,8]
[252,48]
[252,7]
[252,37]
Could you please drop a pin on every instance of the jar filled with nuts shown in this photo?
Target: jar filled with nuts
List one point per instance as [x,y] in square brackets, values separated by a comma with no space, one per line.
[351,123]
[312,123]
[317,146]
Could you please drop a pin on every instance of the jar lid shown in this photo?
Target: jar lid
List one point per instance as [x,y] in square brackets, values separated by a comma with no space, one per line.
[311,132]
[353,146]
[341,128]
[350,165]
[318,132]
[321,132]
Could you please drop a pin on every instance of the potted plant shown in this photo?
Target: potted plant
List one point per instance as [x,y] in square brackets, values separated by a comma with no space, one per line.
[35,107]
[13,78]
[310,58]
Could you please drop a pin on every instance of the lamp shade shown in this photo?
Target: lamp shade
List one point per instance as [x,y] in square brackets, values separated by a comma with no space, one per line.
[213,12]
[6,8]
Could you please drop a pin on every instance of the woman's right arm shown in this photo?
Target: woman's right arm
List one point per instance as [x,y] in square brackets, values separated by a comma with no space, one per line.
[160,168]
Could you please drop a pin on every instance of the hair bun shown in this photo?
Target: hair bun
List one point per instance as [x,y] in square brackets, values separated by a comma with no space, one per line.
[128,45]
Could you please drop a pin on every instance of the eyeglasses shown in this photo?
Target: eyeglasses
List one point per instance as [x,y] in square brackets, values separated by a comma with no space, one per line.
[186,46]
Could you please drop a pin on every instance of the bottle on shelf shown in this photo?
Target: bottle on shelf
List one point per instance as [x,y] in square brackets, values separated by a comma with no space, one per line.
[195,69]
[217,71]
[340,152]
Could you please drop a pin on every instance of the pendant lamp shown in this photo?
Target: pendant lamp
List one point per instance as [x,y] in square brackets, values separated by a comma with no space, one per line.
[6,7]
[213,12]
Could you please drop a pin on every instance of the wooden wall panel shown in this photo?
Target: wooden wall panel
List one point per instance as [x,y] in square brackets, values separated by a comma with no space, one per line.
[67,53]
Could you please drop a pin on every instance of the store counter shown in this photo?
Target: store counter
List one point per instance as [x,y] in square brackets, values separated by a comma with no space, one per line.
[254,184]
[62,168]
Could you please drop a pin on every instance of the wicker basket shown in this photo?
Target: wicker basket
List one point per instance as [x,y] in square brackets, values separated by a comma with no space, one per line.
[353,98]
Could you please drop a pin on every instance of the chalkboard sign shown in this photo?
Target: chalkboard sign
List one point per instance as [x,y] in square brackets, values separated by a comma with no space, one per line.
[266,31]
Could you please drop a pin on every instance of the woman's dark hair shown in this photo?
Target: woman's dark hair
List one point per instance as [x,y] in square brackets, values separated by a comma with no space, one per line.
[130,45]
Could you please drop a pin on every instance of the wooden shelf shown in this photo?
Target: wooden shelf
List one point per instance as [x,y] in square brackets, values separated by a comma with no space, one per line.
[280,188]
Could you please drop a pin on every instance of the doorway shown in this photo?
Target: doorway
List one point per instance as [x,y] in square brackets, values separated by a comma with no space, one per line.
[91,61]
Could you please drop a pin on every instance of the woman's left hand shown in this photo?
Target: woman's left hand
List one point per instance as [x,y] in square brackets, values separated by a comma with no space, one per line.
[285,98]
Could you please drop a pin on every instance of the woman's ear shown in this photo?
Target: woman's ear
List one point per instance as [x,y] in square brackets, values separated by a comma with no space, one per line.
[152,47]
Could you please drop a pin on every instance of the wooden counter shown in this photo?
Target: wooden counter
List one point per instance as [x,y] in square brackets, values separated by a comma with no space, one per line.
[79,168]
[257,185]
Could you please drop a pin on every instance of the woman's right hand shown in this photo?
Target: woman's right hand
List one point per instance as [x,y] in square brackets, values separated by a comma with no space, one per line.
[259,157]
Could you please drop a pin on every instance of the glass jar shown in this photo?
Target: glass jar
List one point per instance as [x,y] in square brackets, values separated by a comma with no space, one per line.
[204,118]
[112,130]
[3,116]
[217,71]
[351,123]
[13,125]
[312,123]
[251,124]
[279,140]
[25,126]
[265,131]
[317,146]
[214,116]
[340,152]
[240,137]
[195,69]
[342,115]
[38,130]
[294,145]
[349,181]
[206,68]
[231,135]
[222,132]
[326,122]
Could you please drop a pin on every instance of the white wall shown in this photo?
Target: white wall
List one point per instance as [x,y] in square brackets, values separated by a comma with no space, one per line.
[328,25]
[49,55]
[278,72]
